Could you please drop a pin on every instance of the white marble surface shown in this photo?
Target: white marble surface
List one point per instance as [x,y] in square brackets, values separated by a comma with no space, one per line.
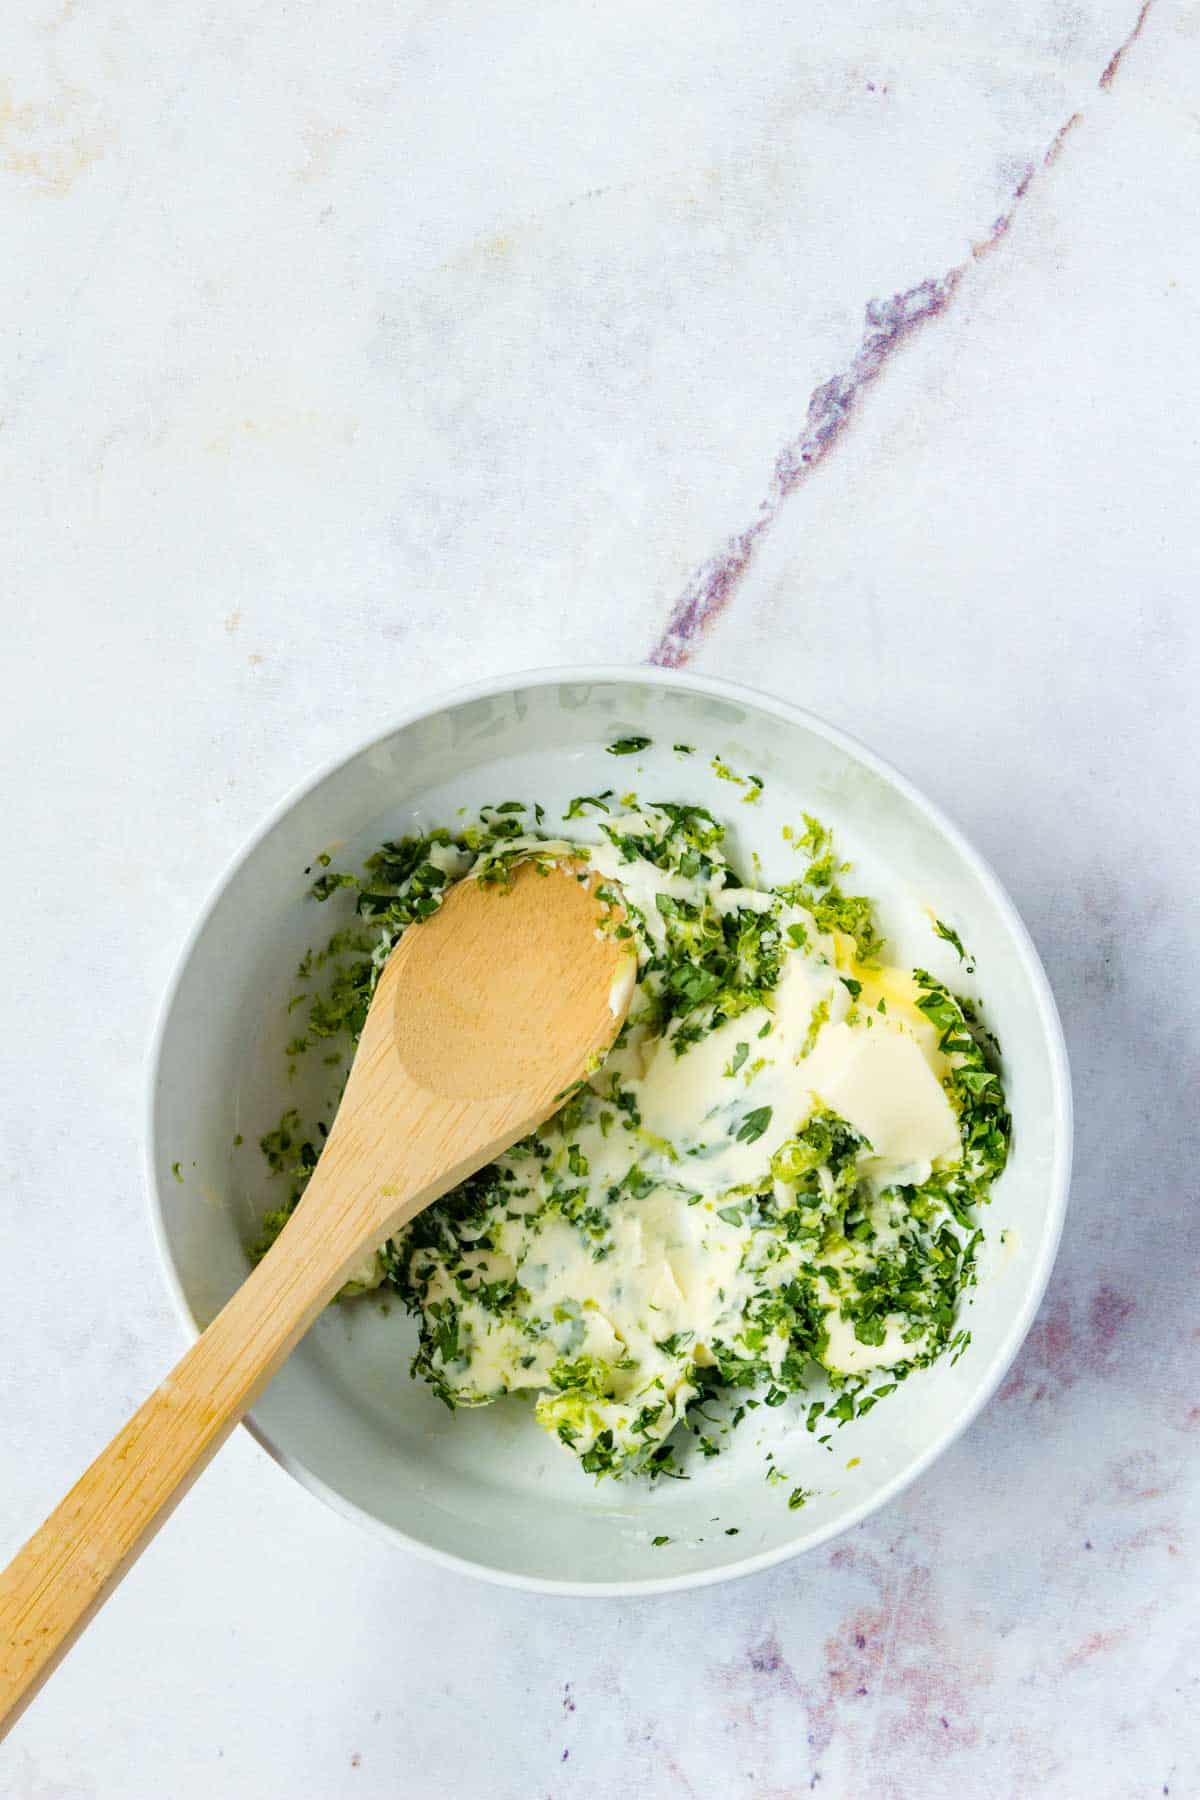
[351,351]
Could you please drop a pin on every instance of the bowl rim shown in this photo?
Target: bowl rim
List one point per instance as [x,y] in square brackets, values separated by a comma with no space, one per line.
[716,687]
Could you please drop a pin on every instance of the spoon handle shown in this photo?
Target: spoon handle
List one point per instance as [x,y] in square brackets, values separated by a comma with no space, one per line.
[449,1070]
[74,1560]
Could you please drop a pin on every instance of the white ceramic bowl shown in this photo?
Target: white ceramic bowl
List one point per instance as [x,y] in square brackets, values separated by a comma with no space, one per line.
[487,1490]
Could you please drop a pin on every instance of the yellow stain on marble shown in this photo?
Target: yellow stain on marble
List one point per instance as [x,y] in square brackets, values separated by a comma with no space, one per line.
[302,429]
[482,255]
[522,237]
[63,16]
[320,146]
[51,144]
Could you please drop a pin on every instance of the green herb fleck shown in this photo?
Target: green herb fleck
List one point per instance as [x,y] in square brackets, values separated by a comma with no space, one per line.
[599,801]
[820,1013]
[951,937]
[325,885]
[754,1124]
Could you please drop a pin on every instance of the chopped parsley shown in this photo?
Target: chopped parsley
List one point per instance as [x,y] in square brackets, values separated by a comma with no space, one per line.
[600,801]
[753,1125]
[520,1277]
[952,938]
[327,884]
[752,783]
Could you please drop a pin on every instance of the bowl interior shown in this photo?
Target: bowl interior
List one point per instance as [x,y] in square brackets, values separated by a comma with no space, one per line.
[487,1487]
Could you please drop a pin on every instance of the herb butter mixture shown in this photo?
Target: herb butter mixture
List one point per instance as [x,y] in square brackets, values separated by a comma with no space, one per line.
[769,1186]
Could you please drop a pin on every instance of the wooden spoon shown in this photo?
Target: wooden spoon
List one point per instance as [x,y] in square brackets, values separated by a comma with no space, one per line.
[483,1016]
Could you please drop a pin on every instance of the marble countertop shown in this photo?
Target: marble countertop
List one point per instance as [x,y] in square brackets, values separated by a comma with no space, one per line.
[850,351]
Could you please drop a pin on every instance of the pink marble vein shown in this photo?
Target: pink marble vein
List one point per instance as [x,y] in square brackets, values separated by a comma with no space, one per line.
[887,326]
